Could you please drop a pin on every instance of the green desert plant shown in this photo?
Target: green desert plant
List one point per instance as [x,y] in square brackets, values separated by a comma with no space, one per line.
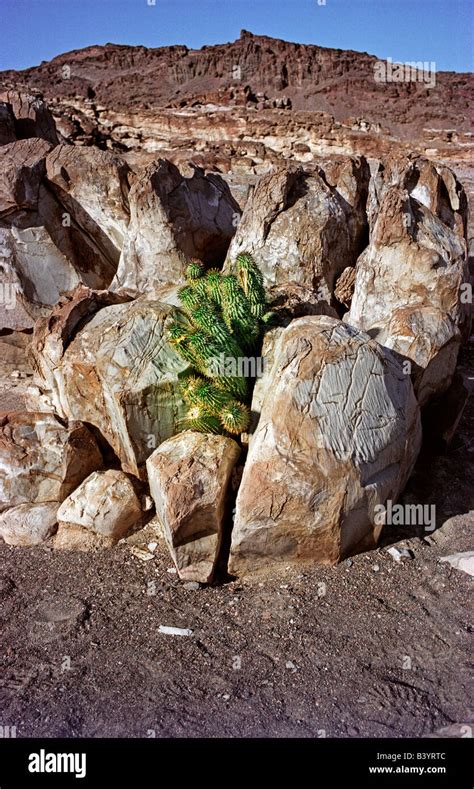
[224,320]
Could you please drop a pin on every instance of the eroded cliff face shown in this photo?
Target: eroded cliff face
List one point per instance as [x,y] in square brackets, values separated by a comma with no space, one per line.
[241,107]
[253,70]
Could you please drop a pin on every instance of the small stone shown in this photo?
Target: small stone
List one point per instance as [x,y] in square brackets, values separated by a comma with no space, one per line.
[290,665]
[191,585]
[29,524]
[461,561]
[375,568]
[140,553]
[399,553]
[175,631]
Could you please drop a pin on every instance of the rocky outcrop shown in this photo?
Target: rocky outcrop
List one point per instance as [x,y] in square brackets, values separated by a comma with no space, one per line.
[304,227]
[251,69]
[114,370]
[338,434]
[172,219]
[42,460]
[189,477]
[105,504]
[408,288]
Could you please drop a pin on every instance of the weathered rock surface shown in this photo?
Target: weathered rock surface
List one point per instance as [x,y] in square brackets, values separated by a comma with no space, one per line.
[105,503]
[114,370]
[433,185]
[408,288]
[44,251]
[339,433]
[41,460]
[305,227]
[173,218]
[7,124]
[125,78]
[93,185]
[31,116]
[29,524]
[22,167]
[345,284]
[189,475]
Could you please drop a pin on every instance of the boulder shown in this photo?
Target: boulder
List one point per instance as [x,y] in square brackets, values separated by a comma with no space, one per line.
[32,118]
[22,168]
[339,433]
[93,186]
[41,459]
[105,503]
[114,370]
[408,289]
[172,219]
[189,476]
[43,250]
[303,227]
[431,184]
[29,524]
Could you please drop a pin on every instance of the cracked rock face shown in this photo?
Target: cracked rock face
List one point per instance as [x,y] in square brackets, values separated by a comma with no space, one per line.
[48,247]
[41,460]
[338,434]
[189,477]
[172,219]
[105,504]
[93,186]
[304,227]
[408,287]
[117,372]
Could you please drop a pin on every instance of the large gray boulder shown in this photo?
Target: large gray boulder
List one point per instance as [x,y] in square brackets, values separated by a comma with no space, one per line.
[339,433]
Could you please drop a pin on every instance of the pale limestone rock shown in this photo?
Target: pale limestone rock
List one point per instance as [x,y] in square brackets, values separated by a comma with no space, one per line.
[430,183]
[29,524]
[93,185]
[105,503]
[304,227]
[117,372]
[173,219]
[409,286]
[189,476]
[339,433]
[44,250]
[41,460]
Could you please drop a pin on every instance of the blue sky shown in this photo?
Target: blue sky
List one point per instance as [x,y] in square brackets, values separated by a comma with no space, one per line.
[431,30]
